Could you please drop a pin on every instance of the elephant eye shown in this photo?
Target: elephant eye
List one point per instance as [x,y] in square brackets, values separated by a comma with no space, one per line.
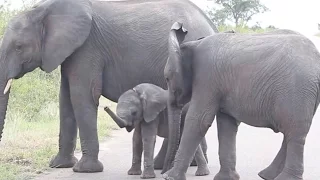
[19,48]
[134,113]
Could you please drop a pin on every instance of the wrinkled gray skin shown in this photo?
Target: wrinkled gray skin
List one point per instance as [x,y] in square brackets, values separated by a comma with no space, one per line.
[143,109]
[174,117]
[103,47]
[268,80]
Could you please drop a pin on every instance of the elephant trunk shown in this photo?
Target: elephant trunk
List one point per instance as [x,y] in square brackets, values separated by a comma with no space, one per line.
[4,97]
[174,118]
[5,85]
[120,122]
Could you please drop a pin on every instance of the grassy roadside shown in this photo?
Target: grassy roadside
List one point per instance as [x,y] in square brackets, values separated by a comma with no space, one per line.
[32,126]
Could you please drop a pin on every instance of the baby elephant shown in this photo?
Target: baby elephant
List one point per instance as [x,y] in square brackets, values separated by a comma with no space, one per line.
[143,108]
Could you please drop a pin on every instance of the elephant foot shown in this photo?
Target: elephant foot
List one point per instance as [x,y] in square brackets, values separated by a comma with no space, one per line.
[174,175]
[269,173]
[194,162]
[148,173]
[202,171]
[165,169]
[158,163]
[287,176]
[227,175]
[135,170]
[60,161]
[88,165]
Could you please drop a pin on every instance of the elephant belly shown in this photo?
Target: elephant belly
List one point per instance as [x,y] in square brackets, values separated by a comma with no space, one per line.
[116,82]
[256,121]
[249,115]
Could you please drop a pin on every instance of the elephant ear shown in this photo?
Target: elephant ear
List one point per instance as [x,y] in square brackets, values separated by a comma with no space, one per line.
[66,26]
[176,37]
[154,100]
[174,67]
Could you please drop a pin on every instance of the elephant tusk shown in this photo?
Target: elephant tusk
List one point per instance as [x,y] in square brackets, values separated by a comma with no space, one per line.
[6,89]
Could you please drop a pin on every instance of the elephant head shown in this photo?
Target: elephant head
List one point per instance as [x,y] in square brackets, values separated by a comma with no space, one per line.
[178,75]
[177,71]
[44,37]
[144,102]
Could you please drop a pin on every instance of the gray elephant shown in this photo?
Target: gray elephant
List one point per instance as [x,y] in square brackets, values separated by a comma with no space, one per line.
[269,80]
[103,47]
[175,109]
[143,108]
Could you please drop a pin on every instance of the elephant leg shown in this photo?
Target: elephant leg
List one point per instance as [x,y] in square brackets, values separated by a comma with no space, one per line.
[204,148]
[275,168]
[136,152]
[198,120]
[68,129]
[159,159]
[149,133]
[293,168]
[183,117]
[194,162]
[85,91]
[201,162]
[227,132]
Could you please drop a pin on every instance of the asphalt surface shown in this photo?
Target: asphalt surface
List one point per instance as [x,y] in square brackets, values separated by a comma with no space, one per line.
[256,148]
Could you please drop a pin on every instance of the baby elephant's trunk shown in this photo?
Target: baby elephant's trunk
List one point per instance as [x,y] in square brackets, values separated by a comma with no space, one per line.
[120,122]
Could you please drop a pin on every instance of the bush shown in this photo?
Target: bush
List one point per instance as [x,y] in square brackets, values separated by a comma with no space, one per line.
[34,92]
[224,28]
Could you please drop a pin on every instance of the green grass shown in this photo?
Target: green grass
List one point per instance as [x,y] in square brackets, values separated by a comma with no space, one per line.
[32,126]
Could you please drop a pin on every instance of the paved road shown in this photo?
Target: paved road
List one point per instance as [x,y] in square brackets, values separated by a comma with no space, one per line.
[256,147]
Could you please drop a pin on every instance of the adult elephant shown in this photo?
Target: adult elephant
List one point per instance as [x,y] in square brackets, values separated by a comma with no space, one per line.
[104,48]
